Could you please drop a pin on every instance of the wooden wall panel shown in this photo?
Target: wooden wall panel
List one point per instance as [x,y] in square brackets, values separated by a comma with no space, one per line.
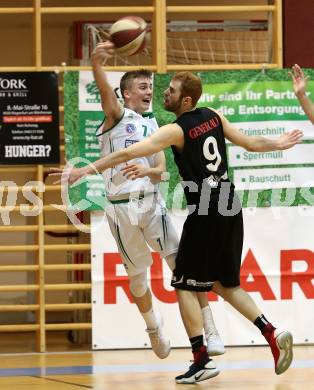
[298,22]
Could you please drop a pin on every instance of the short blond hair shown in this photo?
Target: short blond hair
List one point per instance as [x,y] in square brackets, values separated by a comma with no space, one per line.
[128,78]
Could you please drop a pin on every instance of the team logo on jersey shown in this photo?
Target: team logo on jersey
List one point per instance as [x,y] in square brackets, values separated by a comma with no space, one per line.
[129,142]
[214,180]
[130,128]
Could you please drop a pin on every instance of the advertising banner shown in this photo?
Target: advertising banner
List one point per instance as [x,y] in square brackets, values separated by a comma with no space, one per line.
[257,103]
[277,273]
[29,118]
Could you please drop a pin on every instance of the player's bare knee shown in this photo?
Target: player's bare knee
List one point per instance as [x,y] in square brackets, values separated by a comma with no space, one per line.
[224,292]
[138,284]
[217,288]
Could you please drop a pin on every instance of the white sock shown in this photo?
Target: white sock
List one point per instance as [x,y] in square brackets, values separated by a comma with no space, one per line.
[208,321]
[150,319]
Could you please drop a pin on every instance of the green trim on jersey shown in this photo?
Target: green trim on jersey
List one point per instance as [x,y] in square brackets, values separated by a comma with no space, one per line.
[111,145]
[164,227]
[120,201]
[120,244]
[149,115]
[110,128]
[126,200]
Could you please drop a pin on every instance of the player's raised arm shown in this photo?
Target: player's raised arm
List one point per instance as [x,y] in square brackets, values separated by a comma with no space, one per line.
[110,104]
[164,137]
[299,81]
[259,144]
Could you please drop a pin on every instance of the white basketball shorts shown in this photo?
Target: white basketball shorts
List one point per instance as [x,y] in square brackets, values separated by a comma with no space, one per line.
[137,225]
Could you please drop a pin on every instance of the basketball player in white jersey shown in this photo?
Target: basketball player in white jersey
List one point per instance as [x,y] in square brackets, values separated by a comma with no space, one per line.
[137,215]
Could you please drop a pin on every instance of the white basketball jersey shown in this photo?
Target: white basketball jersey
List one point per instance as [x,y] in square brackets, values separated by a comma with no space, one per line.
[131,128]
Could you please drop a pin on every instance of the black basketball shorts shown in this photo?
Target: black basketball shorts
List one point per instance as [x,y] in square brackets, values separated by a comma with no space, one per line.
[210,250]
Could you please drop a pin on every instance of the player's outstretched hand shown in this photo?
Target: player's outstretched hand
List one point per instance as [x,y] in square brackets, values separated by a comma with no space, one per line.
[288,140]
[299,80]
[134,171]
[67,175]
[102,51]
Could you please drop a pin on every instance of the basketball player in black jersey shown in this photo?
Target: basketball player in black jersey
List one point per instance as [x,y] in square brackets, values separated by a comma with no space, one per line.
[209,256]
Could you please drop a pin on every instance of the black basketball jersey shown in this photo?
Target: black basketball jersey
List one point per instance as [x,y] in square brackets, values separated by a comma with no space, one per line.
[204,159]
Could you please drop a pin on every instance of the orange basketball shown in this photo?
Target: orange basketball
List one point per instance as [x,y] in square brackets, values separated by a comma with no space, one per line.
[129,35]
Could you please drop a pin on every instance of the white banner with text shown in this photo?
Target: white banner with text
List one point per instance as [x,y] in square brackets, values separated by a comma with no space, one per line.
[277,270]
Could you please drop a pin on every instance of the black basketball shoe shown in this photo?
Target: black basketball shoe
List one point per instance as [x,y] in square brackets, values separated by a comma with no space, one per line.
[200,370]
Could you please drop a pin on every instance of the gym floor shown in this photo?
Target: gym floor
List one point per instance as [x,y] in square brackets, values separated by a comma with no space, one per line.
[242,368]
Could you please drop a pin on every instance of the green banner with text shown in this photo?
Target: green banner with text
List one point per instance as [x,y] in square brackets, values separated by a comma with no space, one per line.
[257,102]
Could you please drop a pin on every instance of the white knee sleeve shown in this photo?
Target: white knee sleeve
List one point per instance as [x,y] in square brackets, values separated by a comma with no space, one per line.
[138,284]
[171,261]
